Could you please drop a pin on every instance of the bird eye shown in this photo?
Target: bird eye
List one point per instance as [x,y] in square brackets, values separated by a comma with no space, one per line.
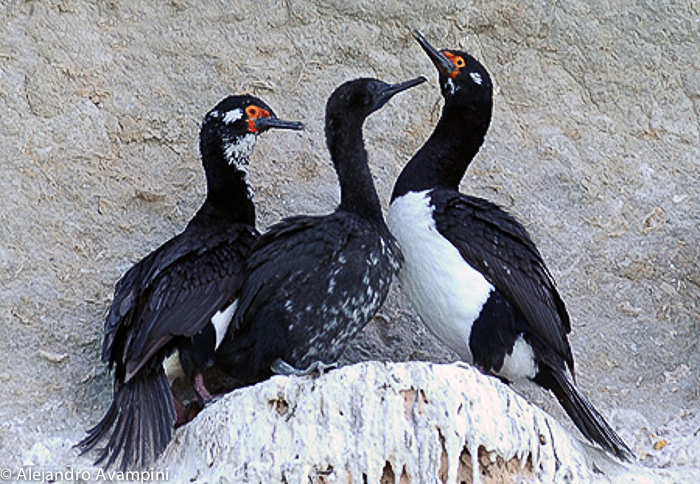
[457,60]
[252,112]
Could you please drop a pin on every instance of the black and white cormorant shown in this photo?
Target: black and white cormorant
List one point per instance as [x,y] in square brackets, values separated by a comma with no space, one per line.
[471,270]
[179,299]
[313,282]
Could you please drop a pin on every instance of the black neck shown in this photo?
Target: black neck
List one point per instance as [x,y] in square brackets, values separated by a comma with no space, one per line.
[228,189]
[444,158]
[357,192]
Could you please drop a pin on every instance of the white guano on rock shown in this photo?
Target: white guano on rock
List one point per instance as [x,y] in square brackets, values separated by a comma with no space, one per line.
[383,422]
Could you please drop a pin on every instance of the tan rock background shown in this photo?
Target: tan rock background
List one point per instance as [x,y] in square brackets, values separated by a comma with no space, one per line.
[595,146]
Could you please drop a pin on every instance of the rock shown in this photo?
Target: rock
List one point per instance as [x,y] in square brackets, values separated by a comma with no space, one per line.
[385,423]
[53,357]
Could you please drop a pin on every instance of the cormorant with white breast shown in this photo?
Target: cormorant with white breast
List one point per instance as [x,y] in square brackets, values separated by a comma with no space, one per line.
[179,299]
[313,282]
[471,270]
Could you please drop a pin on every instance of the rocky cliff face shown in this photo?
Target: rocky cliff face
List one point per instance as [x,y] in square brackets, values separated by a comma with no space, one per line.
[594,146]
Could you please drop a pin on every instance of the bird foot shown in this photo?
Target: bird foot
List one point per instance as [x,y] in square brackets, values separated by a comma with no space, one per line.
[203,394]
[281,367]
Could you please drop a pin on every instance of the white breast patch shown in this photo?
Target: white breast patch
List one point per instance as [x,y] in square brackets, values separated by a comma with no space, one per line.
[446,291]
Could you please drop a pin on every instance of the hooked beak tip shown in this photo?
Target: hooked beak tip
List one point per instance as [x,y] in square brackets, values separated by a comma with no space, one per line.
[442,63]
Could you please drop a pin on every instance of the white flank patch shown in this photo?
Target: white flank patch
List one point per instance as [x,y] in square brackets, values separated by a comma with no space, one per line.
[447,292]
[221,320]
[476,77]
[173,368]
[233,116]
[520,363]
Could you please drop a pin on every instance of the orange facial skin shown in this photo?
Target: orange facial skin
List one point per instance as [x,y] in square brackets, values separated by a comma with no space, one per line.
[253,113]
[457,60]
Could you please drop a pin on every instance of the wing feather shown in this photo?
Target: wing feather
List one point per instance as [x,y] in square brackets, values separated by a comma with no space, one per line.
[173,293]
[498,246]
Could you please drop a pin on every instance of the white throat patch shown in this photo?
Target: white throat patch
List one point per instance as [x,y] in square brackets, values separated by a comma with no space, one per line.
[451,85]
[237,151]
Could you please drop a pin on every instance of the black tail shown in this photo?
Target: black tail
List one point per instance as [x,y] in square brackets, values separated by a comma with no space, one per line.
[591,423]
[139,422]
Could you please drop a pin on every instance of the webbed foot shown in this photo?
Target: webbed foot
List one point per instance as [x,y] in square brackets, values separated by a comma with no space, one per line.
[281,367]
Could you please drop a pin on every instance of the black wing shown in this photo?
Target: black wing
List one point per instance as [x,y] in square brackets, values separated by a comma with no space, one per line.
[174,292]
[291,255]
[498,246]
[131,286]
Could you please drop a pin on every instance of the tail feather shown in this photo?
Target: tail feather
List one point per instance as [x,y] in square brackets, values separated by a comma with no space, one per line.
[164,430]
[138,424]
[588,420]
[119,438]
[129,445]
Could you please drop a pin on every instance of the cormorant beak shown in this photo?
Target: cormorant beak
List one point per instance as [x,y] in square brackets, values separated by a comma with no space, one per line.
[390,90]
[262,124]
[444,65]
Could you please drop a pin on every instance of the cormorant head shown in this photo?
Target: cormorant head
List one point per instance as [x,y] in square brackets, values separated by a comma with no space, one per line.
[357,99]
[463,79]
[236,121]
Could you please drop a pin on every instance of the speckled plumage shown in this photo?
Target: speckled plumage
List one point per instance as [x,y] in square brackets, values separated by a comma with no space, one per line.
[314,282]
